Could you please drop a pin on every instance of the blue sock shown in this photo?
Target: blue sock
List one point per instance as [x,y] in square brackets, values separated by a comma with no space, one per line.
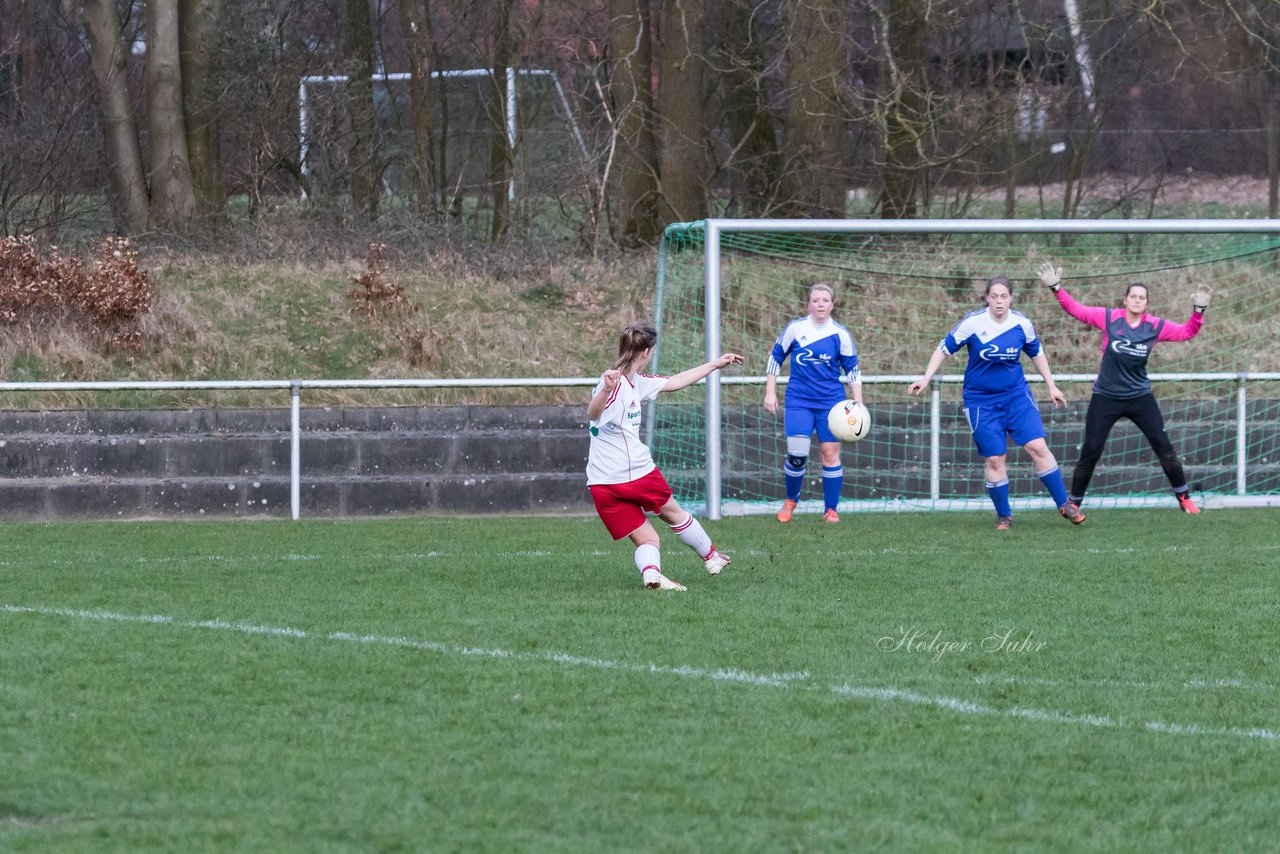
[1052,479]
[832,485]
[999,493]
[795,481]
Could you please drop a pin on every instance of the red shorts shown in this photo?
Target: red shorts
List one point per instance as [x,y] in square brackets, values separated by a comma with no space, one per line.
[622,505]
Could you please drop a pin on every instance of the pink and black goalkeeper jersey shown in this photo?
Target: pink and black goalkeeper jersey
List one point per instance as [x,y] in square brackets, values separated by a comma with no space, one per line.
[1125,349]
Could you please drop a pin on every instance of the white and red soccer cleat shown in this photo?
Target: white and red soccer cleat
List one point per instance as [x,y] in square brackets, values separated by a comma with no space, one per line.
[655,580]
[716,562]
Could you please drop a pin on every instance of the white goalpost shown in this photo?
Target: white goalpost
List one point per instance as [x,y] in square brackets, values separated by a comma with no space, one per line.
[732,284]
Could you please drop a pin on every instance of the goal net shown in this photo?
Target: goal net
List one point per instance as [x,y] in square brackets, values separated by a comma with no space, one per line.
[732,285]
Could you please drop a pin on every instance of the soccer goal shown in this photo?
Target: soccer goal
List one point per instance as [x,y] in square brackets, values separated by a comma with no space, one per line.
[732,285]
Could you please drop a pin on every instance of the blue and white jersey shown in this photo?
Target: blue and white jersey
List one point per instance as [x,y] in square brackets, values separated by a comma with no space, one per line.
[995,353]
[819,353]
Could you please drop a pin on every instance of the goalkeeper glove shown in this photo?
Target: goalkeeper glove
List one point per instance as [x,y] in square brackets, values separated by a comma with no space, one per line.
[1200,299]
[1051,276]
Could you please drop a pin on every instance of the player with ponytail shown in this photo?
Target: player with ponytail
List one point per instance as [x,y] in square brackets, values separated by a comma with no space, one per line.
[624,481]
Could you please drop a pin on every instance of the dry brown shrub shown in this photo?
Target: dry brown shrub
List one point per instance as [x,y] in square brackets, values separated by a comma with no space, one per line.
[383,303]
[109,297]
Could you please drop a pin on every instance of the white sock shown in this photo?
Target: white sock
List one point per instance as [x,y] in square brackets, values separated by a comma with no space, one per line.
[693,536]
[648,557]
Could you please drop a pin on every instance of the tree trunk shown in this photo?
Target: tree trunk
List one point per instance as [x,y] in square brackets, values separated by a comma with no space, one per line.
[119,131]
[1271,91]
[680,106]
[755,163]
[198,43]
[905,113]
[630,89]
[415,18]
[500,145]
[173,201]
[363,150]
[813,149]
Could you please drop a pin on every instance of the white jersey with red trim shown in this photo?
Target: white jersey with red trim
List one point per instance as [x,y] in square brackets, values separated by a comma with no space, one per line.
[617,455]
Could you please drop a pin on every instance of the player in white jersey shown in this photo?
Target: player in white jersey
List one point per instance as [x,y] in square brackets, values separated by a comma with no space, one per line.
[623,479]
[822,352]
[997,400]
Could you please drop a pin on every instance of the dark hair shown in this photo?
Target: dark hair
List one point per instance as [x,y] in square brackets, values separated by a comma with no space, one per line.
[997,280]
[1133,285]
[635,339]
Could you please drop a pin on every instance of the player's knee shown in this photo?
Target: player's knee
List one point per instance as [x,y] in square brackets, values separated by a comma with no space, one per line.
[795,462]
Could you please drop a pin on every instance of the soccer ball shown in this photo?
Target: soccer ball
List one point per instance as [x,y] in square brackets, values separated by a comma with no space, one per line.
[849,421]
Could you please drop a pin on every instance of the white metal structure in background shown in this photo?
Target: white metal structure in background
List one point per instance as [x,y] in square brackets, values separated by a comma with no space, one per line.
[304,131]
[713,228]
[295,387]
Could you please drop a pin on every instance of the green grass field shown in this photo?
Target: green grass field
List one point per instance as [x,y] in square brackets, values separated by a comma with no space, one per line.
[909,682]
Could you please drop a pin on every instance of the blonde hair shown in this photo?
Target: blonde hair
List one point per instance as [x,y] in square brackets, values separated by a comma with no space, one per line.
[823,286]
[635,339]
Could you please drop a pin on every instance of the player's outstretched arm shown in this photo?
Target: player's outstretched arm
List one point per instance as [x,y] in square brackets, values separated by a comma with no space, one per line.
[935,362]
[1171,330]
[687,378]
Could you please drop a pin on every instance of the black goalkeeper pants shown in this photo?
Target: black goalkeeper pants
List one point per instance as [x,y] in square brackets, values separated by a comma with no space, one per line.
[1102,415]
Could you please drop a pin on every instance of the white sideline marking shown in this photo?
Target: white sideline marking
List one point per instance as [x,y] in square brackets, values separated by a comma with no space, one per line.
[1198,683]
[782,680]
[601,553]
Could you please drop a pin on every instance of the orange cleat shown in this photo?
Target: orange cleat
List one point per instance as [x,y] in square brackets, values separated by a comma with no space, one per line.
[1187,505]
[789,507]
[831,516]
[1071,512]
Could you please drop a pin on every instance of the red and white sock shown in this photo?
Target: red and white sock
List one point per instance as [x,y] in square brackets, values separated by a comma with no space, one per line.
[648,557]
[693,536]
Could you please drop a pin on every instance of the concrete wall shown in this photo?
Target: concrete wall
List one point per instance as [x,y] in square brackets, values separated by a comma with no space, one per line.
[235,462]
[477,459]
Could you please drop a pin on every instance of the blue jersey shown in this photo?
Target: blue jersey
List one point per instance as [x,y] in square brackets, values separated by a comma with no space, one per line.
[819,353]
[995,353]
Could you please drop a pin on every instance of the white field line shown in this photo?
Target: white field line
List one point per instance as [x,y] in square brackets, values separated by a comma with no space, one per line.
[601,553]
[1198,683]
[800,679]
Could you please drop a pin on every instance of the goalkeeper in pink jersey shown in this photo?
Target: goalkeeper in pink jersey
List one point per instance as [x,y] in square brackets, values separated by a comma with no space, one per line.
[623,479]
[1122,389]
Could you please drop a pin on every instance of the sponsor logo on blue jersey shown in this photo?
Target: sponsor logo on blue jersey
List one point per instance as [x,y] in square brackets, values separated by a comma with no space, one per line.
[808,357]
[996,353]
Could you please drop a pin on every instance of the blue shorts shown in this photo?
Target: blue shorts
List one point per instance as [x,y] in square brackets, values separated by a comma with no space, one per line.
[1017,415]
[804,419]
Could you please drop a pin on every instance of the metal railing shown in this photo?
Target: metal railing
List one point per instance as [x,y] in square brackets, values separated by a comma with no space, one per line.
[295,388]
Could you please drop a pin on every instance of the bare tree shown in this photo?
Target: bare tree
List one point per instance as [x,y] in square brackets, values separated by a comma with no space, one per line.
[198,45]
[500,146]
[630,89]
[363,148]
[904,108]
[681,103]
[814,158]
[415,19]
[173,201]
[120,133]
[753,160]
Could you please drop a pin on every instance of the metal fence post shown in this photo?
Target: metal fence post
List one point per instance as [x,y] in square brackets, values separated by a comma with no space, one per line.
[295,449]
